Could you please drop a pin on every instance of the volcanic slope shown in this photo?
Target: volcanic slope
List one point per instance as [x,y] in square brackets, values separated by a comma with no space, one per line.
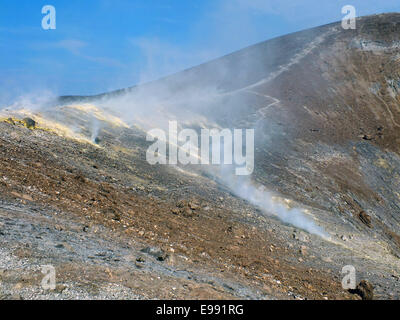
[77,192]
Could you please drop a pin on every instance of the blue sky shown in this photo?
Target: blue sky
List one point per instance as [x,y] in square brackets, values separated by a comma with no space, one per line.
[101,45]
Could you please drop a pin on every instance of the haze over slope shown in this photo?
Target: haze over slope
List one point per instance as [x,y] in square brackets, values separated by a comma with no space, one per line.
[324,104]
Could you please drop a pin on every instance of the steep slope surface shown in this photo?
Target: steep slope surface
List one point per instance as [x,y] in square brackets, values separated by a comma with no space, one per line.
[325,107]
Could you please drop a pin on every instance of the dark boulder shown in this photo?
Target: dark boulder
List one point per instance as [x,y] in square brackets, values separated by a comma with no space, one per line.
[10,121]
[157,253]
[29,123]
[365,218]
[365,290]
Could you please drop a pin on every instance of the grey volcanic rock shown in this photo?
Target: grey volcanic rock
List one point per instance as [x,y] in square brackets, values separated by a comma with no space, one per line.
[365,290]
[324,138]
[29,123]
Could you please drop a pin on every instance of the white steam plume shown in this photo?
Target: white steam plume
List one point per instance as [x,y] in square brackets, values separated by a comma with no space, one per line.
[269,204]
[186,100]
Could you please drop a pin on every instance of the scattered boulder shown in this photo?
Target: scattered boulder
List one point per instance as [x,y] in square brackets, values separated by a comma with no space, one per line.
[157,253]
[29,123]
[139,263]
[367,137]
[188,213]
[303,250]
[182,204]
[300,236]
[10,121]
[379,131]
[60,288]
[117,216]
[175,211]
[193,205]
[365,218]
[112,213]
[364,289]
[80,178]
[186,208]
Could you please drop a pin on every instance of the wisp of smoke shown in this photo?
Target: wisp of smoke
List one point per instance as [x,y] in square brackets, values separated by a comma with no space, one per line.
[34,101]
[194,98]
[153,107]
[137,108]
[267,202]
[95,128]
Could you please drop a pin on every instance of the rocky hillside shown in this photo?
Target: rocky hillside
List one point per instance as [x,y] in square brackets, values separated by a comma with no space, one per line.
[77,192]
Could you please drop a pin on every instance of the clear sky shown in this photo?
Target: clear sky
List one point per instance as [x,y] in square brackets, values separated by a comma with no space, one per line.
[101,45]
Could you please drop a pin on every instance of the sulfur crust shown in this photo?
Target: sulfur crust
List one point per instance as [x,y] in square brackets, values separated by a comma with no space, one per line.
[56,127]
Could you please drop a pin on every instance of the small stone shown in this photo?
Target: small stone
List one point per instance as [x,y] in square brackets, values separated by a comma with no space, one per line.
[327,259]
[365,290]
[303,250]
[193,206]
[29,123]
[188,213]
[18,286]
[60,288]
[365,218]
[157,253]
[10,121]
[367,137]
[80,178]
